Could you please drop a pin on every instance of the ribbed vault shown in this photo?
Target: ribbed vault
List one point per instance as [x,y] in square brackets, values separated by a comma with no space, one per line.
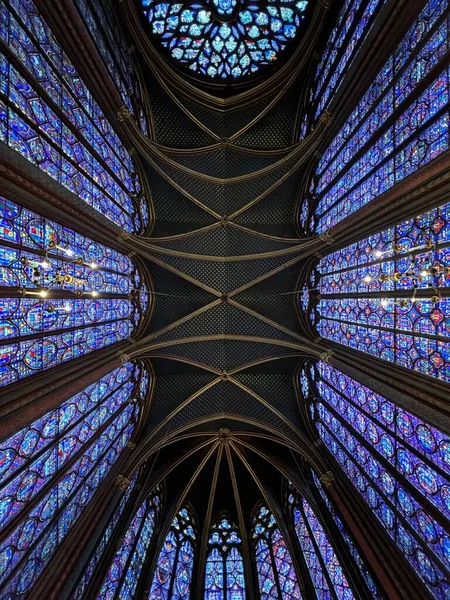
[225,256]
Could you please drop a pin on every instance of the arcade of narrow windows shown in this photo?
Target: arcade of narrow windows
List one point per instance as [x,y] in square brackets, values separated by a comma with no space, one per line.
[75,304]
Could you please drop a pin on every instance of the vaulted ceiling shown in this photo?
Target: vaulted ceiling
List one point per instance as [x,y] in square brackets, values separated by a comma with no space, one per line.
[225,257]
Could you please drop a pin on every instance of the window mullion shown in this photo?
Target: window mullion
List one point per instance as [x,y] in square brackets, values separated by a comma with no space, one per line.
[388,502]
[131,553]
[274,567]
[318,553]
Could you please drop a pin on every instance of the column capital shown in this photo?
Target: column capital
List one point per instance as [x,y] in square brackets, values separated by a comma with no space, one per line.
[326,479]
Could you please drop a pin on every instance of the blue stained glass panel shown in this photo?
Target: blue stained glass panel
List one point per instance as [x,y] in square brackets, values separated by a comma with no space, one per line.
[110,44]
[85,579]
[419,133]
[173,573]
[214,576]
[397,435]
[315,567]
[90,429]
[366,433]
[276,574]
[19,448]
[225,38]
[329,558]
[20,491]
[71,295]
[29,547]
[52,119]
[348,540]
[410,329]
[123,574]
[266,576]
[345,40]
[224,574]
[235,575]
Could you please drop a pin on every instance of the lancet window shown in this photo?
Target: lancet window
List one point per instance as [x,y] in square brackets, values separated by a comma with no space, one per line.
[101,22]
[356,555]
[64,295]
[224,577]
[328,577]
[173,574]
[399,125]
[49,116]
[276,573]
[354,22]
[106,536]
[397,462]
[125,570]
[52,469]
[387,294]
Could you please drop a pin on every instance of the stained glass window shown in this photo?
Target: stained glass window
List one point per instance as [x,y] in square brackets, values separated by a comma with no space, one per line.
[327,575]
[94,560]
[48,115]
[353,24]
[110,43]
[64,294]
[387,294]
[52,468]
[173,574]
[52,440]
[398,463]
[276,574]
[123,575]
[394,130]
[360,562]
[224,576]
[225,38]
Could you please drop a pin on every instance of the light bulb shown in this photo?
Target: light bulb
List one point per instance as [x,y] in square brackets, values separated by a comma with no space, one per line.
[384,302]
[94,294]
[45,264]
[424,273]
[67,308]
[43,293]
[378,253]
[367,278]
[69,252]
[93,265]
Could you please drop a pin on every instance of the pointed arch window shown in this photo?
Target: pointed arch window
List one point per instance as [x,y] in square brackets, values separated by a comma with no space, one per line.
[276,574]
[102,23]
[224,576]
[33,456]
[402,310]
[393,130]
[360,562]
[49,116]
[326,572]
[52,469]
[354,22]
[124,573]
[63,295]
[106,536]
[173,573]
[397,462]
